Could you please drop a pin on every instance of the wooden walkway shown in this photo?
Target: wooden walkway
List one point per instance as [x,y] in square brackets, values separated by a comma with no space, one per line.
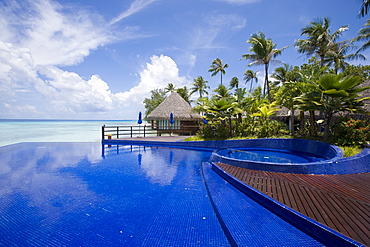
[341,202]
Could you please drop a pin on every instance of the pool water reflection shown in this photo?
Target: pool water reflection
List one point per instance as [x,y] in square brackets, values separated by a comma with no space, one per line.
[86,194]
[68,194]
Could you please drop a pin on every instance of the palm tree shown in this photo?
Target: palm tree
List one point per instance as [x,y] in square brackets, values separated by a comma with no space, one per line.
[199,85]
[338,55]
[221,109]
[170,88]
[309,74]
[218,66]
[250,76]
[364,35]
[286,95]
[221,92]
[157,96]
[263,52]
[364,8]
[335,93]
[319,40]
[184,93]
[286,73]
[234,82]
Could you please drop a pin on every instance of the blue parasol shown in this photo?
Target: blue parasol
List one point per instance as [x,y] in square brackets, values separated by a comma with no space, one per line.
[140,121]
[204,119]
[172,121]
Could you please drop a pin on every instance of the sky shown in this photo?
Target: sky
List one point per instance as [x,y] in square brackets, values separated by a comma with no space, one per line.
[93,59]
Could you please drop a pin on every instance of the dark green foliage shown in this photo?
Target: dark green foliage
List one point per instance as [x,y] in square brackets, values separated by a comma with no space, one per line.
[351,132]
[215,132]
[157,96]
[247,128]
[362,71]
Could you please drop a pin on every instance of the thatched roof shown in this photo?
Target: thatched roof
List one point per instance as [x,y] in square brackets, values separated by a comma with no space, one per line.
[175,104]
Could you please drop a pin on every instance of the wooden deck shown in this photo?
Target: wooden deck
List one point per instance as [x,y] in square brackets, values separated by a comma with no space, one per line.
[341,202]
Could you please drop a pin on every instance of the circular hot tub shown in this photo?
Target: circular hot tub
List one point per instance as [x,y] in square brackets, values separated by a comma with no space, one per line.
[270,155]
[281,155]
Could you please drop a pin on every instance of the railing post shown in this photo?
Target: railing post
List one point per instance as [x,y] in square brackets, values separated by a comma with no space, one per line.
[131,131]
[102,132]
[144,129]
[117,132]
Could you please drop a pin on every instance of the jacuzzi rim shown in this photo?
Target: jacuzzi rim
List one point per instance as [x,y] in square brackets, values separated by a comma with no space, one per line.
[215,152]
[339,153]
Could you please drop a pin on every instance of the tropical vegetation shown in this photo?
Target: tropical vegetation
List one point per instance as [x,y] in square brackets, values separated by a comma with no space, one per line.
[319,97]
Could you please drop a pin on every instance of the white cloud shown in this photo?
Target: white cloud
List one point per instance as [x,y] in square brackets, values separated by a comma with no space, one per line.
[39,36]
[55,35]
[36,37]
[22,109]
[135,7]
[71,93]
[17,70]
[158,74]
[222,21]
[205,36]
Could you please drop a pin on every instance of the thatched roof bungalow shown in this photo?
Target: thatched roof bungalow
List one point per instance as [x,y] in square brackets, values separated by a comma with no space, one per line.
[185,119]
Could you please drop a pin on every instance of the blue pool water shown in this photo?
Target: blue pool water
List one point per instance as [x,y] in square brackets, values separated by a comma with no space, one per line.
[272,155]
[86,194]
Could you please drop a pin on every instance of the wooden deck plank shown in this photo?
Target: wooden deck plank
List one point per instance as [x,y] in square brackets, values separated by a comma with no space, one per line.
[318,211]
[341,202]
[356,215]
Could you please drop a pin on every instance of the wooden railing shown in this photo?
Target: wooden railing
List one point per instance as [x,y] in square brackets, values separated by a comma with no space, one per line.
[116,132]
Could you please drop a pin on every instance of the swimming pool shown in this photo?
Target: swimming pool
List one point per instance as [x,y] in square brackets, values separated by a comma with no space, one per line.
[55,194]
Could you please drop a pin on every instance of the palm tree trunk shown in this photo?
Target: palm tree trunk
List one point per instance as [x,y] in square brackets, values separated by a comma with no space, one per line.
[302,123]
[267,82]
[322,61]
[291,121]
[313,128]
[327,126]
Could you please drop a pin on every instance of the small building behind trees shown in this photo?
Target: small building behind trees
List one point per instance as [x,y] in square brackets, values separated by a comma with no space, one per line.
[186,121]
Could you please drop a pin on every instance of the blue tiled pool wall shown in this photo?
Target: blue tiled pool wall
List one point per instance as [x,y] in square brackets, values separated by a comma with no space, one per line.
[335,164]
[314,229]
[319,148]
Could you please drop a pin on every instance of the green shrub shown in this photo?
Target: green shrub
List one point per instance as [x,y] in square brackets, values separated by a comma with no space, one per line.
[206,132]
[350,151]
[267,128]
[222,131]
[245,127]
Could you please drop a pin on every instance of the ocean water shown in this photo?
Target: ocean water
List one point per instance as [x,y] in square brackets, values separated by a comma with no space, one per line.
[15,131]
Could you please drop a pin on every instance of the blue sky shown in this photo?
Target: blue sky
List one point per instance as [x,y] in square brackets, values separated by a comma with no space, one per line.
[92,59]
